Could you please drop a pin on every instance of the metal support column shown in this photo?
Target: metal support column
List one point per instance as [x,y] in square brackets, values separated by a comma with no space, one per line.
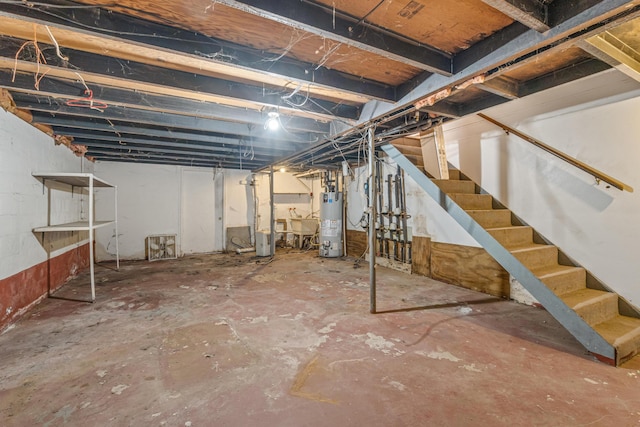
[272,216]
[372,221]
[115,201]
[91,240]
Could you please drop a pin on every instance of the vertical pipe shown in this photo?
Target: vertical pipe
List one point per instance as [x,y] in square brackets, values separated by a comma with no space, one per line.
[272,214]
[372,222]
[344,215]
[91,268]
[115,201]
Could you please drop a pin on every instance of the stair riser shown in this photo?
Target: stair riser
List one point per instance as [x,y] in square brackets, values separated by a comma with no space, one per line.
[472,201]
[492,218]
[513,237]
[628,349]
[455,186]
[408,150]
[539,258]
[600,310]
[416,160]
[454,174]
[568,282]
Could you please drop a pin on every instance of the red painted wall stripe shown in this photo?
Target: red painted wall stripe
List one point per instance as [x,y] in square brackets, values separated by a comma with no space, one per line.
[23,289]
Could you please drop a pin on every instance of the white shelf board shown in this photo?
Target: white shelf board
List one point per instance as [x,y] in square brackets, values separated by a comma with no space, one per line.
[75,179]
[72,226]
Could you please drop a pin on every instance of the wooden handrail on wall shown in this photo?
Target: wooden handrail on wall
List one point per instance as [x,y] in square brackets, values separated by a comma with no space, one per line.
[599,176]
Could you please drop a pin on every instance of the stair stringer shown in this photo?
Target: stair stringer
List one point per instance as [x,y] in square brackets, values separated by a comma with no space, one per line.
[625,308]
[568,318]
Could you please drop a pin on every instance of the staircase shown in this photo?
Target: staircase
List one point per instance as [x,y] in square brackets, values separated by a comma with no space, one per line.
[603,322]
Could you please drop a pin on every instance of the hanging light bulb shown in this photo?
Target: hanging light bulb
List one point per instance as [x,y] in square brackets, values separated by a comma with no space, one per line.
[273,122]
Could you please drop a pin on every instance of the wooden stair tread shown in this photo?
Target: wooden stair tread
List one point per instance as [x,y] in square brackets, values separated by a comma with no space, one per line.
[543,273]
[509,227]
[562,279]
[513,236]
[618,327]
[535,256]
[455,186]
[488,218]
[583,297]
[472,200]
[409,149]
[576,298]
[488,210]
[533,247]
[623,333]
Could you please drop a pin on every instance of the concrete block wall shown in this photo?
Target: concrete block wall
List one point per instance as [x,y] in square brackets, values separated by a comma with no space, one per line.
[291,193]
[31,264]
[196,204]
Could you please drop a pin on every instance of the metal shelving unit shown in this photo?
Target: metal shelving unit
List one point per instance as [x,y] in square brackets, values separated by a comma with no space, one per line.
[83,180]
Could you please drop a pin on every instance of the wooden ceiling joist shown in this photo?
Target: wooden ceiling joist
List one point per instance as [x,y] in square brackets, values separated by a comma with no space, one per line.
[168,161]
[611,50]
[100,129]
[565,75]
[159,153]
[165,84]
[213,146]
[40,103]
[133,39]
[353,32]
[532,13]
[70,91]
[141,143]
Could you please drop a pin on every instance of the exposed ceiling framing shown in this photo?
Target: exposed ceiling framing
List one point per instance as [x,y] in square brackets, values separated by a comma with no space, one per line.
[194,83]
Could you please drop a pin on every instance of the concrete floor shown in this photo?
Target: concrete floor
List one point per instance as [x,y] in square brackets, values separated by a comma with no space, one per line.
[231,340]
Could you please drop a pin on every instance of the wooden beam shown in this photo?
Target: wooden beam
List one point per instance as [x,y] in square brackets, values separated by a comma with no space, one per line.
[496,42]
[441,152]
[114,96]
[501,86]
[169,161]
[141,143]
[562,76]
[40,103]
[351,32]
[531,13]
[209,143]
[608,48]
[138,77]
[75,126]
[98,31]
[163,153]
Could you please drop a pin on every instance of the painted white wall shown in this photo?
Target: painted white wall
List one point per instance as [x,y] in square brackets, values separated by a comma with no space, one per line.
[427,218]
[197,211]
[149,203]
[594,120]
[239,205]
[166,199]
[290,193]
[23,205]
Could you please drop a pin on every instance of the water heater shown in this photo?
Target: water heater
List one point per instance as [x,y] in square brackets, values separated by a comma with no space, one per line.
[330,224]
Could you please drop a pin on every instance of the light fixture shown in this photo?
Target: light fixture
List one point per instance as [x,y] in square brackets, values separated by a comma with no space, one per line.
[273,121]
[283,170]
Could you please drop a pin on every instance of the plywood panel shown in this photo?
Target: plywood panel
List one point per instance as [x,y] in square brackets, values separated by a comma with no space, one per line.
[421,256]
[448,25]
[356,243]
[275,39]
[546,63]
[468,267]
